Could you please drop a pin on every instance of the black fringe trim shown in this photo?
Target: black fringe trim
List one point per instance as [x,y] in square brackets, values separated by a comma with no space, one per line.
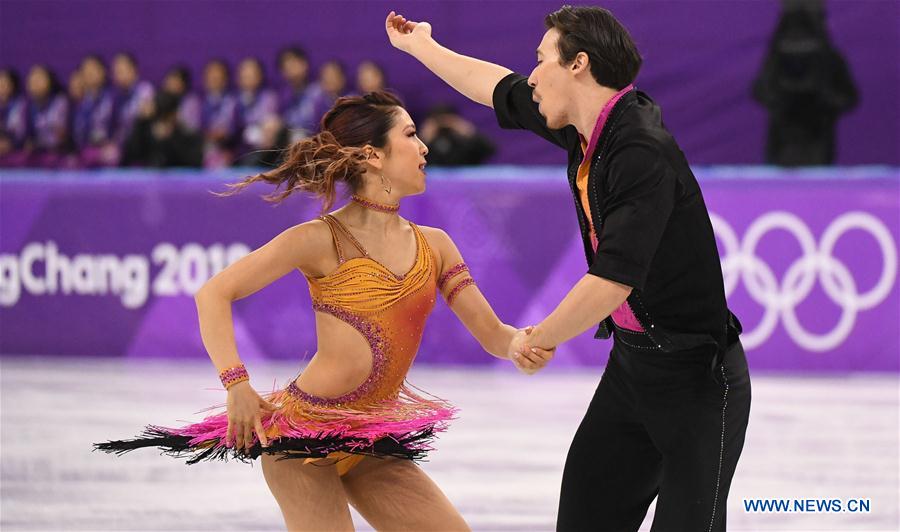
[407,446]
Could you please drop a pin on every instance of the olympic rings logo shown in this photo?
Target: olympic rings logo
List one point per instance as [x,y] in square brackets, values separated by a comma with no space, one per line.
[740,263]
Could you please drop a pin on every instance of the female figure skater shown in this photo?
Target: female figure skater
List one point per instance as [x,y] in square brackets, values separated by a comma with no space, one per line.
[348,428]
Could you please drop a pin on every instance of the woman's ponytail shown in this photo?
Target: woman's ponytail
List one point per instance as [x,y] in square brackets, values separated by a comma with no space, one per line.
[339,153]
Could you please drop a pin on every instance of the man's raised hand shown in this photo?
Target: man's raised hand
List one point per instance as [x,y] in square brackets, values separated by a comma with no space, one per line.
[404,34]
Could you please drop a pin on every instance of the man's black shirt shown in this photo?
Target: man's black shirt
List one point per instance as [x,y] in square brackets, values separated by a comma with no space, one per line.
[653,229]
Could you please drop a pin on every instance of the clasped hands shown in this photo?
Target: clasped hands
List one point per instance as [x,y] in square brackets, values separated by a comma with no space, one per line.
[528,358]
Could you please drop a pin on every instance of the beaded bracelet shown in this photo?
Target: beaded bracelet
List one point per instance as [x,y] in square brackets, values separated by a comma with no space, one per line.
[232,376]
[456,289]
[452,272]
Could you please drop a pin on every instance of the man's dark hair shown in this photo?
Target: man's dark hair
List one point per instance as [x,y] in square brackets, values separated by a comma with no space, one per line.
[615,60]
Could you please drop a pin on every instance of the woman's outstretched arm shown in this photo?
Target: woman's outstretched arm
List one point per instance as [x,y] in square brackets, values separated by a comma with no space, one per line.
[457,286]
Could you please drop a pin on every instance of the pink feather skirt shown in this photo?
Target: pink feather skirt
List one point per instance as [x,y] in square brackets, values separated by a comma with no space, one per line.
[402,426]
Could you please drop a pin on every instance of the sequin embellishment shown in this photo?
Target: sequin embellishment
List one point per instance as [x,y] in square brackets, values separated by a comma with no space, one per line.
[451,273]
[373,335]
[458,288]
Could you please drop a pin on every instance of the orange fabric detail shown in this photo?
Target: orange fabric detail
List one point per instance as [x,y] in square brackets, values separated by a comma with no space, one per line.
[396,305]
[344,461]
[581,183]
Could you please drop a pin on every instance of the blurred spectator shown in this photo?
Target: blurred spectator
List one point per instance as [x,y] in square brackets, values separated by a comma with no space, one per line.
[370,77]
[256,103]
[131,93]
[177,82]
[93,123]
[13,118]
[87,124]
[218,116]
[320,96]
[274,140]
[333,81]
[48,119]
[452,140]
[75,88]
[159,139]
[805,85]
[297,101]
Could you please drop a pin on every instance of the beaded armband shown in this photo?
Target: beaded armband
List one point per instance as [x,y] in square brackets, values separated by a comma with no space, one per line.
[451,273]
[232,376]
[458,288]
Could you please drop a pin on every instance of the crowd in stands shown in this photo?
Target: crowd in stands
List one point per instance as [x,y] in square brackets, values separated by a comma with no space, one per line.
[110,116]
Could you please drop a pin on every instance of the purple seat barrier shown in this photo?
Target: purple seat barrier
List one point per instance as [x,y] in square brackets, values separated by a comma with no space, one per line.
[809,260]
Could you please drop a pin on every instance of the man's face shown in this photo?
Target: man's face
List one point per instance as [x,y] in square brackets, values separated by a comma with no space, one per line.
[551,82]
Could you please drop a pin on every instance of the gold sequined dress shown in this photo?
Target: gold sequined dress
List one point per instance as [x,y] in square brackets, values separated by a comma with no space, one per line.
[384,416]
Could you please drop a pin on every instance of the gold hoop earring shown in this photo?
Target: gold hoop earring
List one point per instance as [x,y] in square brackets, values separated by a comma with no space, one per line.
[387,188]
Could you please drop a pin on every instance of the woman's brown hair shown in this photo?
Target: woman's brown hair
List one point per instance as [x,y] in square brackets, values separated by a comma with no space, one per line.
[337,153]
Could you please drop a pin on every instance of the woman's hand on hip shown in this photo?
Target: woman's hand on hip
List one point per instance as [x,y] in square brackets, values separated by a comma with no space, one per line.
[245,407]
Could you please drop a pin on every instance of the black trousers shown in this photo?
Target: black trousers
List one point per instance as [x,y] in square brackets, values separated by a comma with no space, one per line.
[660,424]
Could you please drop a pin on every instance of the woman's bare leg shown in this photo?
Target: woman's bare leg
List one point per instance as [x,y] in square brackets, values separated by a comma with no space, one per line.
[395,494]
[311,496]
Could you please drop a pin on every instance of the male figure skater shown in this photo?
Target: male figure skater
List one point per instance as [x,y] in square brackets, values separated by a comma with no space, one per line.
[670,413]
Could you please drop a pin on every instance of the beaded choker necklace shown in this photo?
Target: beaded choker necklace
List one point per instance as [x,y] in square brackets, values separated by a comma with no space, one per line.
[375,206]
